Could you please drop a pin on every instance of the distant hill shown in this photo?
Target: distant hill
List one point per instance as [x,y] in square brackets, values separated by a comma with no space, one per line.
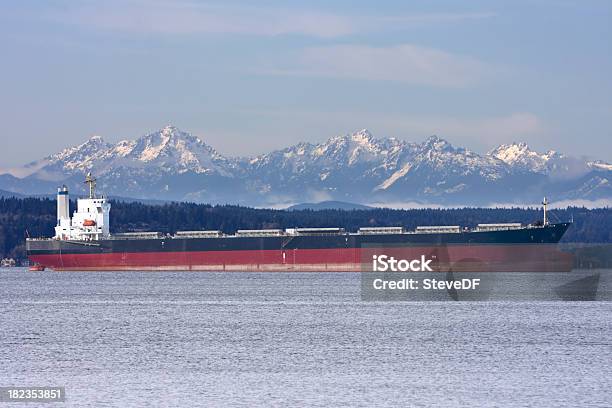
[329,205]
[4,193]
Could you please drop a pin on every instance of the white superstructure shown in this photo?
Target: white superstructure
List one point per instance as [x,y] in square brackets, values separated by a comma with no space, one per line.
[90,221]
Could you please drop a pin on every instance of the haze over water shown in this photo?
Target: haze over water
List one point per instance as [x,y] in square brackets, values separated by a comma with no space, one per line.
[292,339]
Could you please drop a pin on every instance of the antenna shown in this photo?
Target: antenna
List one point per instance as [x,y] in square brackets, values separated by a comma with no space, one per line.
[92,185]
[545,204]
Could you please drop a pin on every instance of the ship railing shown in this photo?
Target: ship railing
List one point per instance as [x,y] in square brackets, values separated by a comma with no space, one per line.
[198,234]
[437,229]
[260,233]
[315,231]
[137,235]
[499,226]
[380,230]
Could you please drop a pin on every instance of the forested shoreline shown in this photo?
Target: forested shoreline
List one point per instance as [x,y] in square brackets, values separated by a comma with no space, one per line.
[36,217]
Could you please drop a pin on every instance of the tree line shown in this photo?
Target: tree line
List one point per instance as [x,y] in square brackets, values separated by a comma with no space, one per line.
[36,217]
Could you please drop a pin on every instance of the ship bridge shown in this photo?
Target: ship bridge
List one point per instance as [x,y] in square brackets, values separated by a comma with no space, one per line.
[90,220]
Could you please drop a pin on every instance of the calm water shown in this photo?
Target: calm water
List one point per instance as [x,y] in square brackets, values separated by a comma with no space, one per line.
[223,339]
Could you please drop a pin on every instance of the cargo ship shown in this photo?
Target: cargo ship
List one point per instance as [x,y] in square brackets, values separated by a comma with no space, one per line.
[84,242]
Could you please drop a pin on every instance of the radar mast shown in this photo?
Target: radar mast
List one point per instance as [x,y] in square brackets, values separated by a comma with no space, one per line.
[545,204]
[92,185]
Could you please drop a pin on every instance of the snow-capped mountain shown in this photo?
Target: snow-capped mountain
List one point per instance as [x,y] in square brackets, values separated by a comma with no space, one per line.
[358,166]
[80,158]
[336,167]
[169,150]
[175,165]
[519,155]
[167,164]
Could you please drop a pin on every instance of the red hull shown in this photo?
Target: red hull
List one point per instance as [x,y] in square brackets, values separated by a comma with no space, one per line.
[481,258]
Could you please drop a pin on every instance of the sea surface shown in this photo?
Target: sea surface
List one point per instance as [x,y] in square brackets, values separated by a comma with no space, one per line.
[292,339]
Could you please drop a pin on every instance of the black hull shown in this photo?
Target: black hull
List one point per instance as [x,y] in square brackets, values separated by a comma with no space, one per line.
[342,251]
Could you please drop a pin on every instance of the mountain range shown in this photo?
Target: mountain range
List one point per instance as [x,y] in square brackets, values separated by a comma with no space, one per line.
[171,164]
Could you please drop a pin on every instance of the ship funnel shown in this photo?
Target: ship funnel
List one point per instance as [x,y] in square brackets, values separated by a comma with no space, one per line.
[62,204]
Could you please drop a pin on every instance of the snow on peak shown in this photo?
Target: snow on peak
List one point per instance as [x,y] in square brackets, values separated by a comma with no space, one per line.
[123,148]
[348,147]
[520,155]
[438,155]
[353,163]
[437,143]
[167,150]
[169,128]
[362,136]
[513,152]
[81,156]
[171,149]
[169,141]
[96,139]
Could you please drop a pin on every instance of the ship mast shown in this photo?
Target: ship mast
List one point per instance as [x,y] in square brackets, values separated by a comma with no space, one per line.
[92,184]
[545,204]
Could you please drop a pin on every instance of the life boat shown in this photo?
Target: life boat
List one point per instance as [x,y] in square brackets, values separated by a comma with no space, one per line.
[89,223]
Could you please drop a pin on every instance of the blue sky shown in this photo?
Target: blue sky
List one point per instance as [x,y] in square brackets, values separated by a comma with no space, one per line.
[250,77]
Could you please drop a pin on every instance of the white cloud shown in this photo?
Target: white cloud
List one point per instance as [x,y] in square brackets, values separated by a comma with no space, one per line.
[178,17]
[186,17]
[405,63]
[428,18]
